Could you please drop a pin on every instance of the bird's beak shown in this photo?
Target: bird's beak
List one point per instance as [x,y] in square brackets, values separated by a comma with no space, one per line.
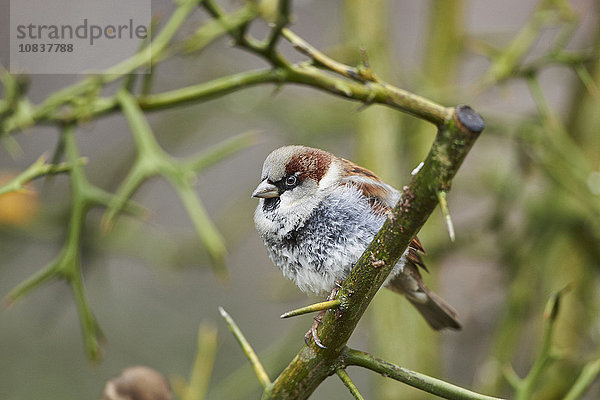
[266,190]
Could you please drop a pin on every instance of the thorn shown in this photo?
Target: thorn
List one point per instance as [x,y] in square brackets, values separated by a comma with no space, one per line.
[324,305]
[276,89]
[106,224]
[259,370]
[441,195]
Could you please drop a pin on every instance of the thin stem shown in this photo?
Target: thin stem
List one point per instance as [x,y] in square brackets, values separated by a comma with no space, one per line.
[320,59]
[588,375]
[92,334]
[282,19]
[140,128]
[247,349]
[324,305]
[209,235]
[343,375]
[240,36]
[37,279]
[152,160]
[143,57]
[412,378]
[203,364]
[524,387]
[208,90]
[373,92]
[216,28]
[37,169]
[222,150]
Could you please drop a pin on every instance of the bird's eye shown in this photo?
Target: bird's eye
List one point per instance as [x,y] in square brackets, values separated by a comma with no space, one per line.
[291,181]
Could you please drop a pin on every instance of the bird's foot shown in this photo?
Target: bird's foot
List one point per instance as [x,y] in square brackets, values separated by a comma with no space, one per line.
[313,331]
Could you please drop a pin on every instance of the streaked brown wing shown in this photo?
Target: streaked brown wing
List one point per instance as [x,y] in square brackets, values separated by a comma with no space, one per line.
[382,197]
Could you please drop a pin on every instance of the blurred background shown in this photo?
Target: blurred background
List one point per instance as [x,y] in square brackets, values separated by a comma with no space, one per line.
[526,207]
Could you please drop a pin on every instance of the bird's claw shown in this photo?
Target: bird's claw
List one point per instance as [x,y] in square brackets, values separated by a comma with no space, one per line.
[313,332]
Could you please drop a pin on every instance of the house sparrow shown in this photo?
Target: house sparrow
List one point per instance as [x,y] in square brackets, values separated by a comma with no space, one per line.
[317,213]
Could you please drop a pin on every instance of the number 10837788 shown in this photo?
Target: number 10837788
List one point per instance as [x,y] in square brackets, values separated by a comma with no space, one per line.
[45,47]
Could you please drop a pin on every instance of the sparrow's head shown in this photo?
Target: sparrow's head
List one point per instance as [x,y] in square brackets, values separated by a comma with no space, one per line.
[294,180]
[294,174]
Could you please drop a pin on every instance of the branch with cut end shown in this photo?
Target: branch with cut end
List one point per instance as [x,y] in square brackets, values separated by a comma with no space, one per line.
[312,365]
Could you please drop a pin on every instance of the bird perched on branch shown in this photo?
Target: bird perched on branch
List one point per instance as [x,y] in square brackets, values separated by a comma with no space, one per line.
[317,213]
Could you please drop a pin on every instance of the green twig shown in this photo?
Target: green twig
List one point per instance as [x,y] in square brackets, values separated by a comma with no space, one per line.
[325,305]
[210,237]
[151,161]
[343,375]
[242,39]
[141,58]
[67,264]
[261,374]
[412,378]
[324,61]
[203,365]
[222,150]
[50,109]
[36,170]
[204,91]
[588,375]
[216,28]
[281,21]
[524,387]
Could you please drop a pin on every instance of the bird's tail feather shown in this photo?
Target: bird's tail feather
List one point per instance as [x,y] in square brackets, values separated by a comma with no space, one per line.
[438,314]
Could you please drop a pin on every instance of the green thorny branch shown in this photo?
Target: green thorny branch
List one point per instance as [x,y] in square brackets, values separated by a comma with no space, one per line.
[85,195]
[313,364]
